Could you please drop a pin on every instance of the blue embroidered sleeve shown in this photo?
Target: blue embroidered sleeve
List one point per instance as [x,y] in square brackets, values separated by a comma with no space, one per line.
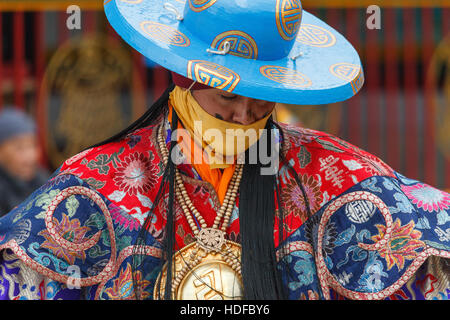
[19,282]
[65,242]
[385,238]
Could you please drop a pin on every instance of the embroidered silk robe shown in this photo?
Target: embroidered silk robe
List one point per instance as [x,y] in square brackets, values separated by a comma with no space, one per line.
[374,234]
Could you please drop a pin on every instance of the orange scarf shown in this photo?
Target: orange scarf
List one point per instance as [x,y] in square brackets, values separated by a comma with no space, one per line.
[216,177]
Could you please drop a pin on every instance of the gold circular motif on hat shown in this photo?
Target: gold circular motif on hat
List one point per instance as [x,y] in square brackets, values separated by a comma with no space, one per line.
[211,279]
[349,72]
[345,71]
[315,36]
[358,82]
[241,44]
[285,76]
[212,74]
[288,17]
[164,33]
[200,5]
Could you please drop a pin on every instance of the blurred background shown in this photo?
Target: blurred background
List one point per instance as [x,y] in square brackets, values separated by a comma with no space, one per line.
[83,85]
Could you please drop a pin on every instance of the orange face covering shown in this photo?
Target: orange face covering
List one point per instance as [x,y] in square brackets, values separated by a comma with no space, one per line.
[219,179]
[221,141]
[195,146]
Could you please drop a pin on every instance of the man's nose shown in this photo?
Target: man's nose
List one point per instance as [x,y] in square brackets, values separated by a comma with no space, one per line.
[243,114]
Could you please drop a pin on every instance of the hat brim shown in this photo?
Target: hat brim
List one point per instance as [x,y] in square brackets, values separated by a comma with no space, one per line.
[323,67]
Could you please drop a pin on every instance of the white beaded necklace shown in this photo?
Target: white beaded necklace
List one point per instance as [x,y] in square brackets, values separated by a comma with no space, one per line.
[210,245]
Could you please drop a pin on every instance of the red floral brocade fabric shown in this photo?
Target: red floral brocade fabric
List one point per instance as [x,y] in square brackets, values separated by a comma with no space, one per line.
[129,173]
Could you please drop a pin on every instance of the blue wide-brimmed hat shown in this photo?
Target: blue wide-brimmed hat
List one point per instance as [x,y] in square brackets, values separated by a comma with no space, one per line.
[271,50]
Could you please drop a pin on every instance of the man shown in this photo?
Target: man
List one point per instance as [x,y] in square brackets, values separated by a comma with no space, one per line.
[173,207]
[20,173]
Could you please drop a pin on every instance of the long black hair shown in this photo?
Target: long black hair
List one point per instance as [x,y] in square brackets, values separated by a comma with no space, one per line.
[258,193]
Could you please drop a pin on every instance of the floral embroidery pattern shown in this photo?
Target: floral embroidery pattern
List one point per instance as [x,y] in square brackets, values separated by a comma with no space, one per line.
[122,218]
[294,200]
[402,245]
[123,174]
[427,197]
[123,288]
[70,230]
[371,164]
[102,162]
[135,174]
[329,238]
[375,166]
[304,268]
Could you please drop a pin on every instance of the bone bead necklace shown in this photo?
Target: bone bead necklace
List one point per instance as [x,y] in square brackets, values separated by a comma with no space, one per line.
[208,268]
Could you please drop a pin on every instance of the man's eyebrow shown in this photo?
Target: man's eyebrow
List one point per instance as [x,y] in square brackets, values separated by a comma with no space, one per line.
[227,94]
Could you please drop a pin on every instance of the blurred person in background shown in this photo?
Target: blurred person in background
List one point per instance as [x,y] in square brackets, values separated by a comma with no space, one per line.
[20,173]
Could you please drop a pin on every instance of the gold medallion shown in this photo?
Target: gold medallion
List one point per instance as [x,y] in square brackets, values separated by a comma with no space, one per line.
[202,274]
[210,268]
